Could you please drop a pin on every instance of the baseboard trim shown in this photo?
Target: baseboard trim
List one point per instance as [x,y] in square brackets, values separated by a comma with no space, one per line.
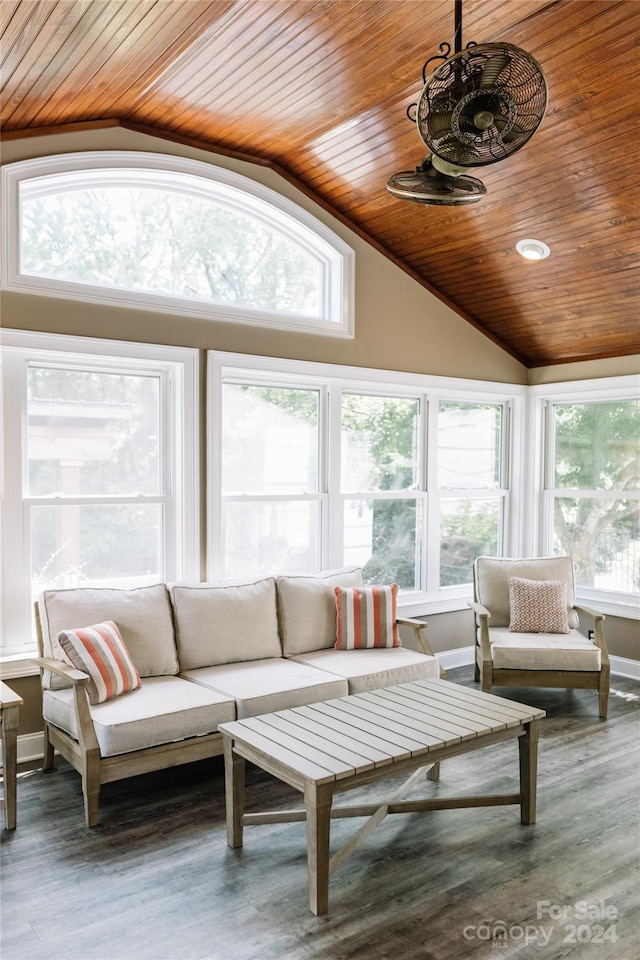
[460,657]
[623,667]
[31,745]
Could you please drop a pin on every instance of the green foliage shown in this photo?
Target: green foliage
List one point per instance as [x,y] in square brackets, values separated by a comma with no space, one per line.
[385,427]
[596,447]
[469,532]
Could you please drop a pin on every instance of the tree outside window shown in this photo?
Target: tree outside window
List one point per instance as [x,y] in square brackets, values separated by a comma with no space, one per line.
[596,490]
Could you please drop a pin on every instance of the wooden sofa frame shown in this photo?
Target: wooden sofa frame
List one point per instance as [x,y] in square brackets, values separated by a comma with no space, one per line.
[84,754]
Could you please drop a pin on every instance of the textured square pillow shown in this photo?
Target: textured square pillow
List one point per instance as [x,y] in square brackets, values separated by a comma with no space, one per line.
[366,617]
[538,606]
[99,650]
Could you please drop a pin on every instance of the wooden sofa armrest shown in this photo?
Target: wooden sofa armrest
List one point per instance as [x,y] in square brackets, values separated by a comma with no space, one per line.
[478,608]
[592,613]
[419,628]
[484,616]
[78,680]
[62,669]
[598,620]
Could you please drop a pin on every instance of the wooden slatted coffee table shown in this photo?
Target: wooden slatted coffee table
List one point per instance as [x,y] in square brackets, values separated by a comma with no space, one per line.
[337,745]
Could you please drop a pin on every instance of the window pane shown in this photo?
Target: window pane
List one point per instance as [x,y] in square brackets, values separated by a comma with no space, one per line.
[468,529]
[383,537]
[469,446]
[92,433]
[75,545]
[268,538]
[603,537]
[269,440]
[166,242]
[597,445]
[379,443]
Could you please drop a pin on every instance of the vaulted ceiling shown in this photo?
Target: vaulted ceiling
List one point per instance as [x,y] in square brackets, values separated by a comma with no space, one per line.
[318,89]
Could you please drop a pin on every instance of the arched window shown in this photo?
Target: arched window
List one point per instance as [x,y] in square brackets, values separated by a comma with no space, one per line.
[175,235]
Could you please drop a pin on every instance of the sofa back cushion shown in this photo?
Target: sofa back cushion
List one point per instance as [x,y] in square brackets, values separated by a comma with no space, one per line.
[307,609]
[142,615]
[491,583]
[218,623]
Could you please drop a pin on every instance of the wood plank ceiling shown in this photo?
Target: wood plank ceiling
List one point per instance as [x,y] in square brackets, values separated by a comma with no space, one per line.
[318,89]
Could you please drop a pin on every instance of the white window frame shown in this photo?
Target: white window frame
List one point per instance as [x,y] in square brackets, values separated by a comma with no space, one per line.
[540,491]
[177,368]
[335,379]
[334,257]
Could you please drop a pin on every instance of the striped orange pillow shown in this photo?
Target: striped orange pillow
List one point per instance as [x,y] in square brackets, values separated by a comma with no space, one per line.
[366,617]
[100,651]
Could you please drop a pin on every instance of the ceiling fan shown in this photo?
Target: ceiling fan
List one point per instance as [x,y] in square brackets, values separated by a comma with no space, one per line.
[477,107]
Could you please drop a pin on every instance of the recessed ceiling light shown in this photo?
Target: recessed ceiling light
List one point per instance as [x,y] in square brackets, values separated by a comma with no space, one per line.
[532,249]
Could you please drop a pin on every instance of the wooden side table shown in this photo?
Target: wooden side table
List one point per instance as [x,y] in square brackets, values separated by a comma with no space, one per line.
[10,704]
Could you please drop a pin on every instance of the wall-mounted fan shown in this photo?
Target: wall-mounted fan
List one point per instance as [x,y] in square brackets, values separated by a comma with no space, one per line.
[476,108]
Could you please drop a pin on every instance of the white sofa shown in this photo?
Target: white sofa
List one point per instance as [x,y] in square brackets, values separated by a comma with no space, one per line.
[206,654]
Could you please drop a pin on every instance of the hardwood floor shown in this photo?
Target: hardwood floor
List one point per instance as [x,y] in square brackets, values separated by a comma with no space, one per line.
[156,880]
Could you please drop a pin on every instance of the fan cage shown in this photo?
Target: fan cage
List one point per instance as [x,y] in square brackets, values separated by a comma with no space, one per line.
[482,105]
[426,185]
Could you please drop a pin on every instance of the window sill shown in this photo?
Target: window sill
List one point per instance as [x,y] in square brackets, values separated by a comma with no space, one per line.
[18,665]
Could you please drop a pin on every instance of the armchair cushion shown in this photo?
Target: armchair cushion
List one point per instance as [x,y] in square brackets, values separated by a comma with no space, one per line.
[538,606]
[99,650]
[366,617]
[542,651]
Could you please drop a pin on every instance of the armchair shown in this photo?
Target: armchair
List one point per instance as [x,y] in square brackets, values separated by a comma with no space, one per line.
[526,628]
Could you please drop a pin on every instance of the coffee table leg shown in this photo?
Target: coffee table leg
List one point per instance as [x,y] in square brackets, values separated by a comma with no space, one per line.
[234,792]
[9,746]
[528,748]
[317,798]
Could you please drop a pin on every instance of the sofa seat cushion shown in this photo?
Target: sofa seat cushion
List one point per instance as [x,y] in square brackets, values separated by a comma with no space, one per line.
[307,609]
[370,669]
[542,651]
[142,615]
[218,624]
[162,710]
[262,686]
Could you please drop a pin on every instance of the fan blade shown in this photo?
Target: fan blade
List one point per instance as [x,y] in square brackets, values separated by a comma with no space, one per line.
[513,133]
[439,123]
[493,69]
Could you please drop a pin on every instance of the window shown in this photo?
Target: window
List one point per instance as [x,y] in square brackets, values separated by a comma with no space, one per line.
[380,473]
[270,479]
[173,234]
[99,469]
[471,486]
[594,490]
[313,466]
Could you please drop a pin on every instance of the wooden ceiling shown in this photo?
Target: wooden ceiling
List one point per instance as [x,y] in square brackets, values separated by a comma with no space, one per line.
[318,89]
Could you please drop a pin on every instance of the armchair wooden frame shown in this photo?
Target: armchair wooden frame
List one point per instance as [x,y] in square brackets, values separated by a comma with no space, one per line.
[573,679]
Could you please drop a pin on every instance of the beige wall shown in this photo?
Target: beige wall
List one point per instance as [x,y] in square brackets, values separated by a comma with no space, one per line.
[587,370]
